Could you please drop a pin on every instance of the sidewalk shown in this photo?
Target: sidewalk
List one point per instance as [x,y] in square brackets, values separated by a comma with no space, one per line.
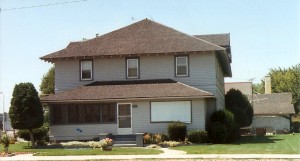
[168,154]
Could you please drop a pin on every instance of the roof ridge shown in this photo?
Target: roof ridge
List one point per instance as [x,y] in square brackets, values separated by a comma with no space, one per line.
[188,35]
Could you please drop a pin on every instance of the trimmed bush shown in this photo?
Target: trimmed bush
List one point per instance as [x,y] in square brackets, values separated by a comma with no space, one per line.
[226,118]
[176,131]
[198,136]
[40,134]
[217,132]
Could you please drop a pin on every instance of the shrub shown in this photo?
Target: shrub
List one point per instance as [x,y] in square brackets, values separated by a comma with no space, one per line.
[198,136]
[177,131]
[155,138]
[40,134]
[217,132]
[226,118]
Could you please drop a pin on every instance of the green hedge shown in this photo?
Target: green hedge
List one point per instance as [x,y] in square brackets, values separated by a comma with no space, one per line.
[198,136]
[177,131]
[217,132]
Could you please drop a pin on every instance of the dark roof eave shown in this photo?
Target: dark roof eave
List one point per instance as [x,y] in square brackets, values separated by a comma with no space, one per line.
[126,99]
[225,62]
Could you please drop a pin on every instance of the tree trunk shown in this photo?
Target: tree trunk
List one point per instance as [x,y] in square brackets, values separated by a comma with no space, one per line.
[32,138]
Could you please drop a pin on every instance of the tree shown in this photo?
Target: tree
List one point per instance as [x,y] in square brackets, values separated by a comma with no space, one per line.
[287,80]
[239,105]
[47,85]
[26,110]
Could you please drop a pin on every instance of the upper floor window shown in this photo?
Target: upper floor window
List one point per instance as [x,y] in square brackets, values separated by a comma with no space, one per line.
[182,66]
[86,68]
[132,65]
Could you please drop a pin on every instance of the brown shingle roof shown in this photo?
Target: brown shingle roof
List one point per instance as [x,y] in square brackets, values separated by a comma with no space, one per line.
[132,90]
[273,104]
[143,37]
[218,39]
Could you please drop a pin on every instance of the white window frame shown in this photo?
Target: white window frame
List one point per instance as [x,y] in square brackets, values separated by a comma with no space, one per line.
[171,111]
[186,64]
[127,69]
[81,69]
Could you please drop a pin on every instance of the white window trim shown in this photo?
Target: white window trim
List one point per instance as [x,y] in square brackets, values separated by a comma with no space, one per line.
[176,110]
[187,66]
[81,70]
[137,64]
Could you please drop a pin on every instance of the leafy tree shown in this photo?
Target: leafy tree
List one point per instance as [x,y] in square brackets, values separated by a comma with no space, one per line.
[26,110]
[47,85]
[239,105]
[259,88]
[287,80]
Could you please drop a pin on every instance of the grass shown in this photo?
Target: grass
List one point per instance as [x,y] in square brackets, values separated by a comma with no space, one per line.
[22,147]
[276,144]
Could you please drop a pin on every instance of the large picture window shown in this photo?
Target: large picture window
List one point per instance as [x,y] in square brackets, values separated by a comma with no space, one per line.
[132,65]
[83,113]
[86,68]
[171,111]
[182,66]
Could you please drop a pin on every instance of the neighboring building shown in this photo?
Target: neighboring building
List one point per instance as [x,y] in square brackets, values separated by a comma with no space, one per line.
[272,111]
[244,87]
[7,123]
[137,79]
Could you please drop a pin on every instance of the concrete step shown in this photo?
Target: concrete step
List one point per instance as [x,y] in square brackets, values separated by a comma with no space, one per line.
[124,145]
[125,142]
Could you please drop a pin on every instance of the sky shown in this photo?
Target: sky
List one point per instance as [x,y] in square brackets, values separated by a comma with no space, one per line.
[264,34]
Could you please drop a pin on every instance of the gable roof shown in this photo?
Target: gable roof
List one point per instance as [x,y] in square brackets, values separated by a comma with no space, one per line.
[143,37]
[128,90]
[273,104]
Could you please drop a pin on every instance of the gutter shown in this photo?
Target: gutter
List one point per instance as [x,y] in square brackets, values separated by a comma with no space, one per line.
[125,99]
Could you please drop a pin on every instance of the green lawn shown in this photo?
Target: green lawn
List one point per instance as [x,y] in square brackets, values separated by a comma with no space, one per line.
[276,144]
[83,151]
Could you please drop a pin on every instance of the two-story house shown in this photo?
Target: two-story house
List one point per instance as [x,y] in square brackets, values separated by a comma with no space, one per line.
[137,79]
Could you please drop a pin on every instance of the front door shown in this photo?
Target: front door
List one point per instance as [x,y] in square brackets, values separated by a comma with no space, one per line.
[124,118]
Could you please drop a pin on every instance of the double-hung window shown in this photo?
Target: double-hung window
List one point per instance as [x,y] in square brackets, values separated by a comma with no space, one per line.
[86,67]
[182,66]
[132,66]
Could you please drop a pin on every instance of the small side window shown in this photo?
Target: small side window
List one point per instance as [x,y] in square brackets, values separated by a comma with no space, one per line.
[132,65]
[86,67]
[182,66]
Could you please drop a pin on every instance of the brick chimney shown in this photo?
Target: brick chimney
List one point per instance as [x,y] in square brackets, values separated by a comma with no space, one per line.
[268,89]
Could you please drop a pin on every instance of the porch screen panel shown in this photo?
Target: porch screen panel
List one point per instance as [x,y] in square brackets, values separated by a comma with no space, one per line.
[171,111]
[72,114]
[108,113]
[56,114]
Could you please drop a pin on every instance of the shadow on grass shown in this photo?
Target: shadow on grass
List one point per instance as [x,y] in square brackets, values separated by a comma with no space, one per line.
[256,140]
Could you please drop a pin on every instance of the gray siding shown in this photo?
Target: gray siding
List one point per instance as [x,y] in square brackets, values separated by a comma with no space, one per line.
[202,70]
[141,118]
[140,123]
[274,122]
[89,131]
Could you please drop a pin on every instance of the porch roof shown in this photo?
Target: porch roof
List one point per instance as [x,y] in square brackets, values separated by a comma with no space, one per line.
[128,90]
